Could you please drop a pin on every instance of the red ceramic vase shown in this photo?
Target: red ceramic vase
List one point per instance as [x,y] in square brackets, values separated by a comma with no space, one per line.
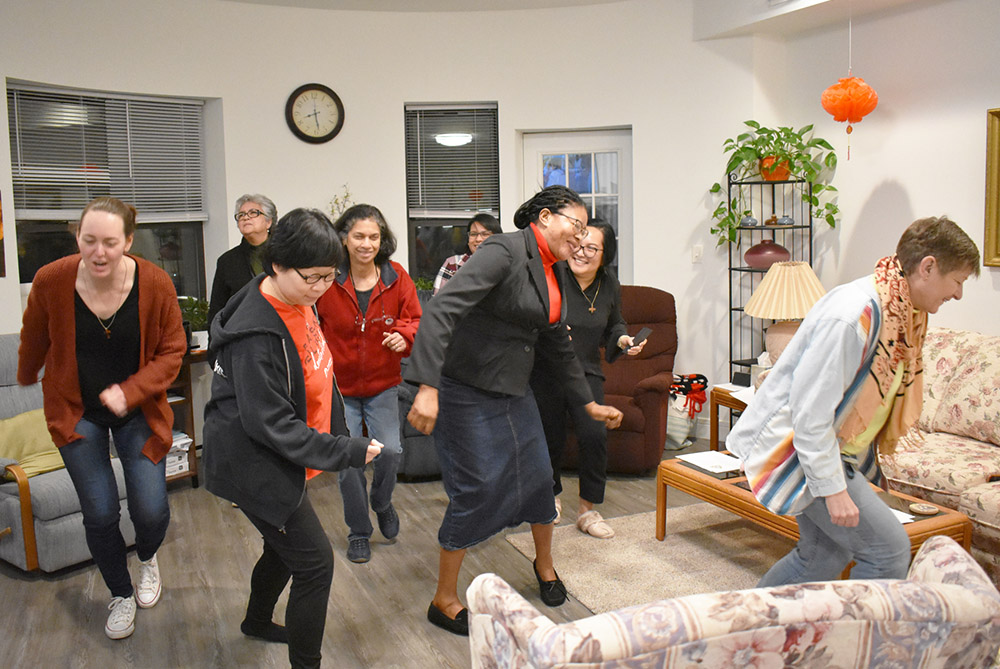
[765,254]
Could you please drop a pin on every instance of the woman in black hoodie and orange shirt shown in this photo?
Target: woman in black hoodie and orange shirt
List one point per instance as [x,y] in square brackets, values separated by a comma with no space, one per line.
[276,413]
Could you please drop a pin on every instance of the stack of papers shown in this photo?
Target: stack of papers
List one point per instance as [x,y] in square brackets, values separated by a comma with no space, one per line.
[712,461]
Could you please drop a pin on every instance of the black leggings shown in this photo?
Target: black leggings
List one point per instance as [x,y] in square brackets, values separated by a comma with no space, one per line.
[299,551]
[591,435]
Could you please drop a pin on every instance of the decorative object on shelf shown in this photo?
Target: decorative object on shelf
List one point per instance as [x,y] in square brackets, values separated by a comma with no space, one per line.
[314,113]
[765,254]
[850,99]
[773,168]
[786,294]
[754,154]
[772,220]
[341,202]
[749,221]
[785,220]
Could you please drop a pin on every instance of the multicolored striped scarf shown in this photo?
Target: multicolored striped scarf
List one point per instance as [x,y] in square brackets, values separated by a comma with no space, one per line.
[901,339]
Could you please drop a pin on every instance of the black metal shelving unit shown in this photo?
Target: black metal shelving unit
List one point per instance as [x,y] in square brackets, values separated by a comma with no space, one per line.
[767,200]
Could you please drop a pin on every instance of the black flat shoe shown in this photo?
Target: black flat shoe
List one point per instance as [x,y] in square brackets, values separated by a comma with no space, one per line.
[459,626]
[553,592]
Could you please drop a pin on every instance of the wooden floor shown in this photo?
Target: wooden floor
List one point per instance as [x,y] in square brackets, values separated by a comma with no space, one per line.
[376,615]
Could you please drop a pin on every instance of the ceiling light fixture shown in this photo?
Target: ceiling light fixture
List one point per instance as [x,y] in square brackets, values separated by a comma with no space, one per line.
[453,138]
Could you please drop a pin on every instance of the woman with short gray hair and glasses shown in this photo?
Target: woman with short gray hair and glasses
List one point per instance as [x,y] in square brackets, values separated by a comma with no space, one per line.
[254,214]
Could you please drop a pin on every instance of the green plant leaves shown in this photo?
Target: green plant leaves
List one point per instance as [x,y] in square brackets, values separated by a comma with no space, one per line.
[810,158]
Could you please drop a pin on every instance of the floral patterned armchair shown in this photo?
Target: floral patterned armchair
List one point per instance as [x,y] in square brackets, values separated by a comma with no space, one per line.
[945,614]
[955,461]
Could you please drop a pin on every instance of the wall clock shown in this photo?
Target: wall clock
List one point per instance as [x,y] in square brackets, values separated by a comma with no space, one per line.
[314,113]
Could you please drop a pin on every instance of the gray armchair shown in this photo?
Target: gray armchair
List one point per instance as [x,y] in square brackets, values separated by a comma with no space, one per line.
[41,526]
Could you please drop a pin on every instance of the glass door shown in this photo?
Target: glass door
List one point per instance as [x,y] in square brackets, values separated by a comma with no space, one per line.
[597,164]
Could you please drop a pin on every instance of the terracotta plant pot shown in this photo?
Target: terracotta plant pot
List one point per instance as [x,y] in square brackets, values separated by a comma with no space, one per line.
[771,172]
[765,254]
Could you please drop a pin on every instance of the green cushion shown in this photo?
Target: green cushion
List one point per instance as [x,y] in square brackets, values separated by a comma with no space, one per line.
[26,438]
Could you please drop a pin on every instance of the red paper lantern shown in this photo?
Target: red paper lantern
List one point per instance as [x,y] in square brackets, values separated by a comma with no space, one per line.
[850,100]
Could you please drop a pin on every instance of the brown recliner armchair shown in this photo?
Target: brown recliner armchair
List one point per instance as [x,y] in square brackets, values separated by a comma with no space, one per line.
[639,385]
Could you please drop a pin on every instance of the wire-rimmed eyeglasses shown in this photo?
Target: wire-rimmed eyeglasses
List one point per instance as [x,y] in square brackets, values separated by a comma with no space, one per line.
[313,279]
[249,213]
[579,227]
[480,235]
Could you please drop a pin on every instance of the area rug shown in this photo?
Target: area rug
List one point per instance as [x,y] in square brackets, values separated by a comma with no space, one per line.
[706,549]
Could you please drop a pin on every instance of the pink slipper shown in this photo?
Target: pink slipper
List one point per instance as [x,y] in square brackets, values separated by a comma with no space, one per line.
[591,522]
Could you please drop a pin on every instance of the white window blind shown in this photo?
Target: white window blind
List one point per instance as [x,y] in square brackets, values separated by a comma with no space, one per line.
[68,147]
[451,181]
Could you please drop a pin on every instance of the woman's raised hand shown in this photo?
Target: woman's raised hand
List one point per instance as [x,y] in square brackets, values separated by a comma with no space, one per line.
[113,397]
[423,414]
[625,343]
[374,448]
[394,342]
[608,415]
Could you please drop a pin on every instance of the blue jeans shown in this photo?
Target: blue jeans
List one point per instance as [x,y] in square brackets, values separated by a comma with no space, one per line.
[89,465]
[879,544]
[381,415]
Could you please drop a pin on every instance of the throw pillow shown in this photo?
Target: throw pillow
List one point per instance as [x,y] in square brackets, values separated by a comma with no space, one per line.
[26,439]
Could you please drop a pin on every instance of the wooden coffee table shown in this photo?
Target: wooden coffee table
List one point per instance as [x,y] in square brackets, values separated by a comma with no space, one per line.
[729,495]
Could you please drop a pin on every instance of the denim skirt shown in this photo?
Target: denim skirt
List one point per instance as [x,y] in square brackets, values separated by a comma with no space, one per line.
[494,464]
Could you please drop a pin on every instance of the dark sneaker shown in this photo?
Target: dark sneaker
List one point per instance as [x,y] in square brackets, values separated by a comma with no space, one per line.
[359,550]
[388,522]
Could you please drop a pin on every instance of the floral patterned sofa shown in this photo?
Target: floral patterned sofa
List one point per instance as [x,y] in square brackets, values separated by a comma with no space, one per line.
[956,462]
[945,614]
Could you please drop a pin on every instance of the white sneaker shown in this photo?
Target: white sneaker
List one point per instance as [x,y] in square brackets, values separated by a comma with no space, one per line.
[147,593]
[121,620]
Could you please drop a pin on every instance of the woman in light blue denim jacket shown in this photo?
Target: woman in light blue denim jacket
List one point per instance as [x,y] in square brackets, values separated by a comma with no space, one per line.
[850,378]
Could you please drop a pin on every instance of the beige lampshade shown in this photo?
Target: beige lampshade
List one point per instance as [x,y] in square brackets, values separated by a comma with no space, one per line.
[788,291]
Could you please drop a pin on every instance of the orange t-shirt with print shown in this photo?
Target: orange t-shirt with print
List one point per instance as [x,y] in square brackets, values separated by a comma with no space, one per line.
[317,363]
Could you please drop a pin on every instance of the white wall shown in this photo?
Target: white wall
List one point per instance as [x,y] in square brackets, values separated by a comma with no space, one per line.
[922,152]
[626,64]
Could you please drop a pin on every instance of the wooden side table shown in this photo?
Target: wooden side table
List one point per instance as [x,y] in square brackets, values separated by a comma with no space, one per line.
[720,397]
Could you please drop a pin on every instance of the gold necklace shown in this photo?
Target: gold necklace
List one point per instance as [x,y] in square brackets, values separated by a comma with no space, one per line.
[597,292]
[121,291]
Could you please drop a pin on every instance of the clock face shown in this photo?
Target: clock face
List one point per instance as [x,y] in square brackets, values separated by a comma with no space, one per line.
[314,113]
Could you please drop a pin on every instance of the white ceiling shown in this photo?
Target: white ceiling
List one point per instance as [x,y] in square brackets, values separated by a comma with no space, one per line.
[428,5]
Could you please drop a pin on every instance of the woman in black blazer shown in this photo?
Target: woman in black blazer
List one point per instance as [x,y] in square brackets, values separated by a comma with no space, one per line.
[254,216]
[472,358]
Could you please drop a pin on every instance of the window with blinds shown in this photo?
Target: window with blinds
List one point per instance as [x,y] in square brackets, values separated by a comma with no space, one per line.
[452,173]
[70,146]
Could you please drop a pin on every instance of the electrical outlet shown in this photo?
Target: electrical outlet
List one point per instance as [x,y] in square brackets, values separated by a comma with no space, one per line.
[696,252]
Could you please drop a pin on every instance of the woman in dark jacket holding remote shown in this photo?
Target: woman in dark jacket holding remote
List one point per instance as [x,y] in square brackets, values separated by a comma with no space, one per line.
[276,414]
[594,319]
[472,358]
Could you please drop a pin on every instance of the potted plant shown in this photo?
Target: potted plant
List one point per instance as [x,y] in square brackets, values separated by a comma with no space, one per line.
[776,154]
[425,288]
[195,311]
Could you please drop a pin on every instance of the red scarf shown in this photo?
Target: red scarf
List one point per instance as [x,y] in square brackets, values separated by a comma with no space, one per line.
[548,260]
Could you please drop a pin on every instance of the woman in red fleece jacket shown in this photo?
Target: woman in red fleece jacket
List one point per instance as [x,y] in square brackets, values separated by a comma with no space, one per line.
[369,317]
[107,328]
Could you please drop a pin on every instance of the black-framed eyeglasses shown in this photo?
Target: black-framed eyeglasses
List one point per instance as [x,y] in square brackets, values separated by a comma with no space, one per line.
[250,213]
[578,226]
[480,235]
[313,279]
[590,250]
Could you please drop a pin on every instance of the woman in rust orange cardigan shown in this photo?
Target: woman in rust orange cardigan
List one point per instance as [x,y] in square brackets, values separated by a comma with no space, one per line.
[107,328]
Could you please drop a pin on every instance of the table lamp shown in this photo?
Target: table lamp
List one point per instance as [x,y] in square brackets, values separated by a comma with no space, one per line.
[786,294]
